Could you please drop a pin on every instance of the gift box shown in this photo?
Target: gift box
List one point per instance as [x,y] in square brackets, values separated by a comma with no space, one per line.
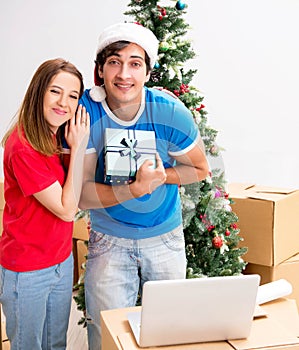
[125,151]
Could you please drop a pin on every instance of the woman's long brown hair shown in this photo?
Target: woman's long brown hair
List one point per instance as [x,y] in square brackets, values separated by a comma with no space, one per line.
[30,118]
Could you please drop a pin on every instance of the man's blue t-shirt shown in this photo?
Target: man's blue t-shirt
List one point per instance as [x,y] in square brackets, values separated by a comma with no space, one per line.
[176,134]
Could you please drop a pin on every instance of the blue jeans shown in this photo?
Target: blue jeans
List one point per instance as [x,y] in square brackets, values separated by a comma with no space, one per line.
[117,268]
[37,305]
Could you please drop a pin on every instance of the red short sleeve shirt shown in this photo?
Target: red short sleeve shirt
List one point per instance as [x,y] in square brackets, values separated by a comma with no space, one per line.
[33,238]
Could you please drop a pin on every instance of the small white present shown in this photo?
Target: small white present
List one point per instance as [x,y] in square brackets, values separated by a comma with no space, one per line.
[125,151]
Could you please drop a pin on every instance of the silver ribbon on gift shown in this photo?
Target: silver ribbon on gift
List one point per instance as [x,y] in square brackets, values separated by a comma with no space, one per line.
[130,145]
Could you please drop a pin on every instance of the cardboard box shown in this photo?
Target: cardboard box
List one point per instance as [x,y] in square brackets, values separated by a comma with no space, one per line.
[80,233]
[125,151]
[268,222]
[288,270]
[79,254]
[278,330]
[80,230]
[82,252]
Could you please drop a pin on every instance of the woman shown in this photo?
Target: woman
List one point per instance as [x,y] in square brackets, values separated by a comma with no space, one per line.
[36,272]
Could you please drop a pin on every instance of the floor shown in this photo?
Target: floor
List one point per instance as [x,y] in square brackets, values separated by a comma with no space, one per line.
[77,335]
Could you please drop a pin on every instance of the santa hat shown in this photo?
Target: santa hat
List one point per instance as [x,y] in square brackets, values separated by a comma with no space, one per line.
[134,33]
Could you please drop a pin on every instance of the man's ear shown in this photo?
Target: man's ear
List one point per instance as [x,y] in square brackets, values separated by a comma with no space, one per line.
[100,72]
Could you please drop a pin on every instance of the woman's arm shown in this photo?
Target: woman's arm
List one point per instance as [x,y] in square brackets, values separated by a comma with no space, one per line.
[63,201]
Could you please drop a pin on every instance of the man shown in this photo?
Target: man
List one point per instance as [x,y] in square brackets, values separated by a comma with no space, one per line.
[136,228]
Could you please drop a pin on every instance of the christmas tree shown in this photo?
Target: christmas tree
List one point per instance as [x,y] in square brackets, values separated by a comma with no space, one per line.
[210,228]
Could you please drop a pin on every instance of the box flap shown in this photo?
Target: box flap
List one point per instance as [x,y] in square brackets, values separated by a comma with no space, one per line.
[265,332]
[127,342]
[292,259]
[285,310]
[270,197]
[277,190]
[280,328]
[259,312]
[238,187]
[249,190]
[269,193]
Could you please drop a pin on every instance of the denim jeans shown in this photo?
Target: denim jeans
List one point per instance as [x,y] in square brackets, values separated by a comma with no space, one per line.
[117,268]
[37,305]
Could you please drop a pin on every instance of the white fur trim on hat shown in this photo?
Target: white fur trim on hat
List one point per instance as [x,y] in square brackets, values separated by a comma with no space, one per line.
[97,93]
[134,33]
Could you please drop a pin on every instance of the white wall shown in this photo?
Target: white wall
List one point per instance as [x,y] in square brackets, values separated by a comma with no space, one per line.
[248,57]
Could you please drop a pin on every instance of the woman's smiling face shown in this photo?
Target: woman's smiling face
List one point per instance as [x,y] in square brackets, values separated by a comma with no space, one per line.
[61,99]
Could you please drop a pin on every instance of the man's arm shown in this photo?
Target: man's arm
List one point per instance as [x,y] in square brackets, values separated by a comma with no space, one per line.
[191,167]
[97,195]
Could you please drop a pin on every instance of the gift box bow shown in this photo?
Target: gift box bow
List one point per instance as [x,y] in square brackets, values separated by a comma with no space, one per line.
[134,145]
[130,150]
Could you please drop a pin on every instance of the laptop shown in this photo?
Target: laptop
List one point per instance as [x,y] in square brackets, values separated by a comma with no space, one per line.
[195,310]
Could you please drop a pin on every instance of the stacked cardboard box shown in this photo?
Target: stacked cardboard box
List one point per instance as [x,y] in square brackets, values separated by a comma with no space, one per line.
[269,224]
[80,236]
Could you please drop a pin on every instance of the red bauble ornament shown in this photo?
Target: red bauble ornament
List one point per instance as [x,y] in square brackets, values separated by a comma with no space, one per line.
[217,242]
[227,232]
[163,12]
